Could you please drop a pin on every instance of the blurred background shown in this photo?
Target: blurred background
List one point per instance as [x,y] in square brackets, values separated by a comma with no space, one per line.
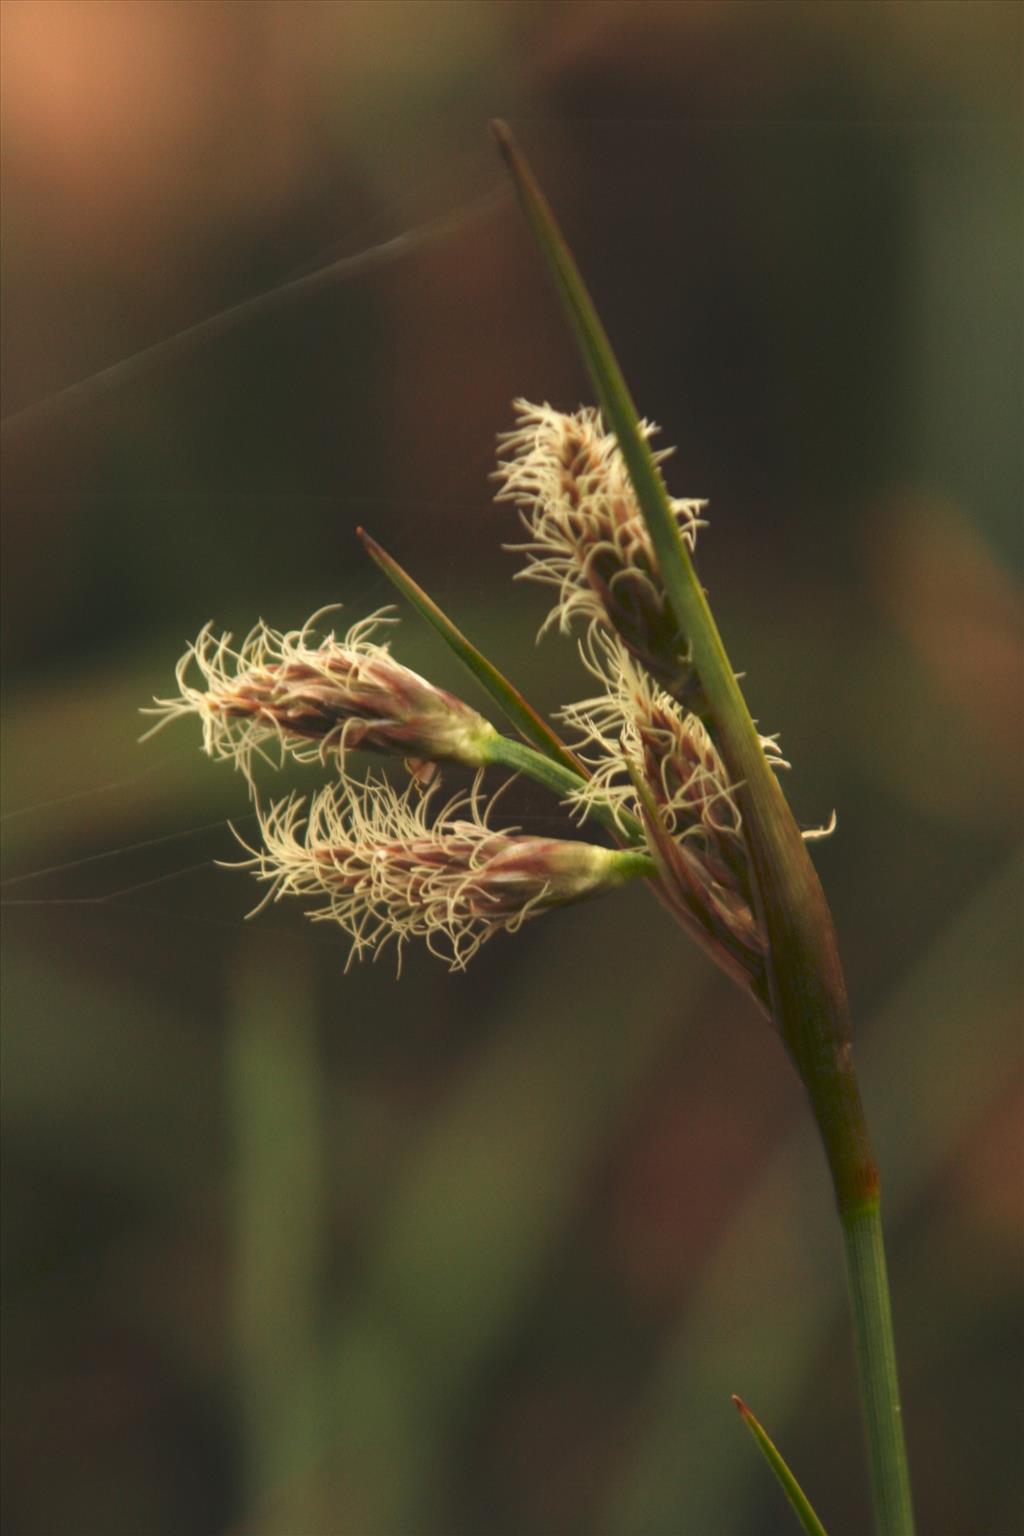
[288,1251]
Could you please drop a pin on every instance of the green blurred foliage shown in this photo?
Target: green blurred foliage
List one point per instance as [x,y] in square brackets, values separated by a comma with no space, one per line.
[292,1251]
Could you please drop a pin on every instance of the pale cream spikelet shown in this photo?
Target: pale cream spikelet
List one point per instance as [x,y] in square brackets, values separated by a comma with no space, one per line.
[587,538]
[314,697]
[633,730]
[385,871]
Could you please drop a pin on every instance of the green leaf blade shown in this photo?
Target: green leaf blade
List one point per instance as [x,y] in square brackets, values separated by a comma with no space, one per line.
[798,1500]
[547,761]
[808,993]
[509,700]
[740,741]
[807,989]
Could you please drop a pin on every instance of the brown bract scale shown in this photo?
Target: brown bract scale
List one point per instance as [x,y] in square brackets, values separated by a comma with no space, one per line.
[314,697]
[566,475]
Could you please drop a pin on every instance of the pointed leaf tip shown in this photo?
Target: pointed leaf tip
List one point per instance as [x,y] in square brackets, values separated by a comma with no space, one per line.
[798,1500]
[522,715]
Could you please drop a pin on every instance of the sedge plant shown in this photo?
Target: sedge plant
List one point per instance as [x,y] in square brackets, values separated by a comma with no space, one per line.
[661,755]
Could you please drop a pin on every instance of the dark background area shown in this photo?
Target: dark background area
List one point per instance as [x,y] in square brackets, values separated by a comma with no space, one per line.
[291,1251]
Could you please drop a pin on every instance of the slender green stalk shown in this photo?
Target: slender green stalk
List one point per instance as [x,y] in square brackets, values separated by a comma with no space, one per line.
[503,752]
[799,1502]
[808,993]
[633,864]
[876,1366]
[807,989]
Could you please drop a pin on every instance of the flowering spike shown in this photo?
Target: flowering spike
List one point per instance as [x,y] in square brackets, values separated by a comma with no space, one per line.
[587,538]
[385,872]
[634,733]
[314,697]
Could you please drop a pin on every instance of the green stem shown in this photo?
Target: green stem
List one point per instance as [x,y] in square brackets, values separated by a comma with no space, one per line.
[808,993]
[807,989]
[876,1366]
[632,864]
[503,752]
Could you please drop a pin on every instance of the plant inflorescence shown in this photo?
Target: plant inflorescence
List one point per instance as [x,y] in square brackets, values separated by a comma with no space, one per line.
[665,758]
[383,863]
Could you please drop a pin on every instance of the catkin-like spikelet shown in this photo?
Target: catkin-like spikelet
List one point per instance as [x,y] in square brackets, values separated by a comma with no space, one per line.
[314,697]
[587,538]
[385,871]
[634,732]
